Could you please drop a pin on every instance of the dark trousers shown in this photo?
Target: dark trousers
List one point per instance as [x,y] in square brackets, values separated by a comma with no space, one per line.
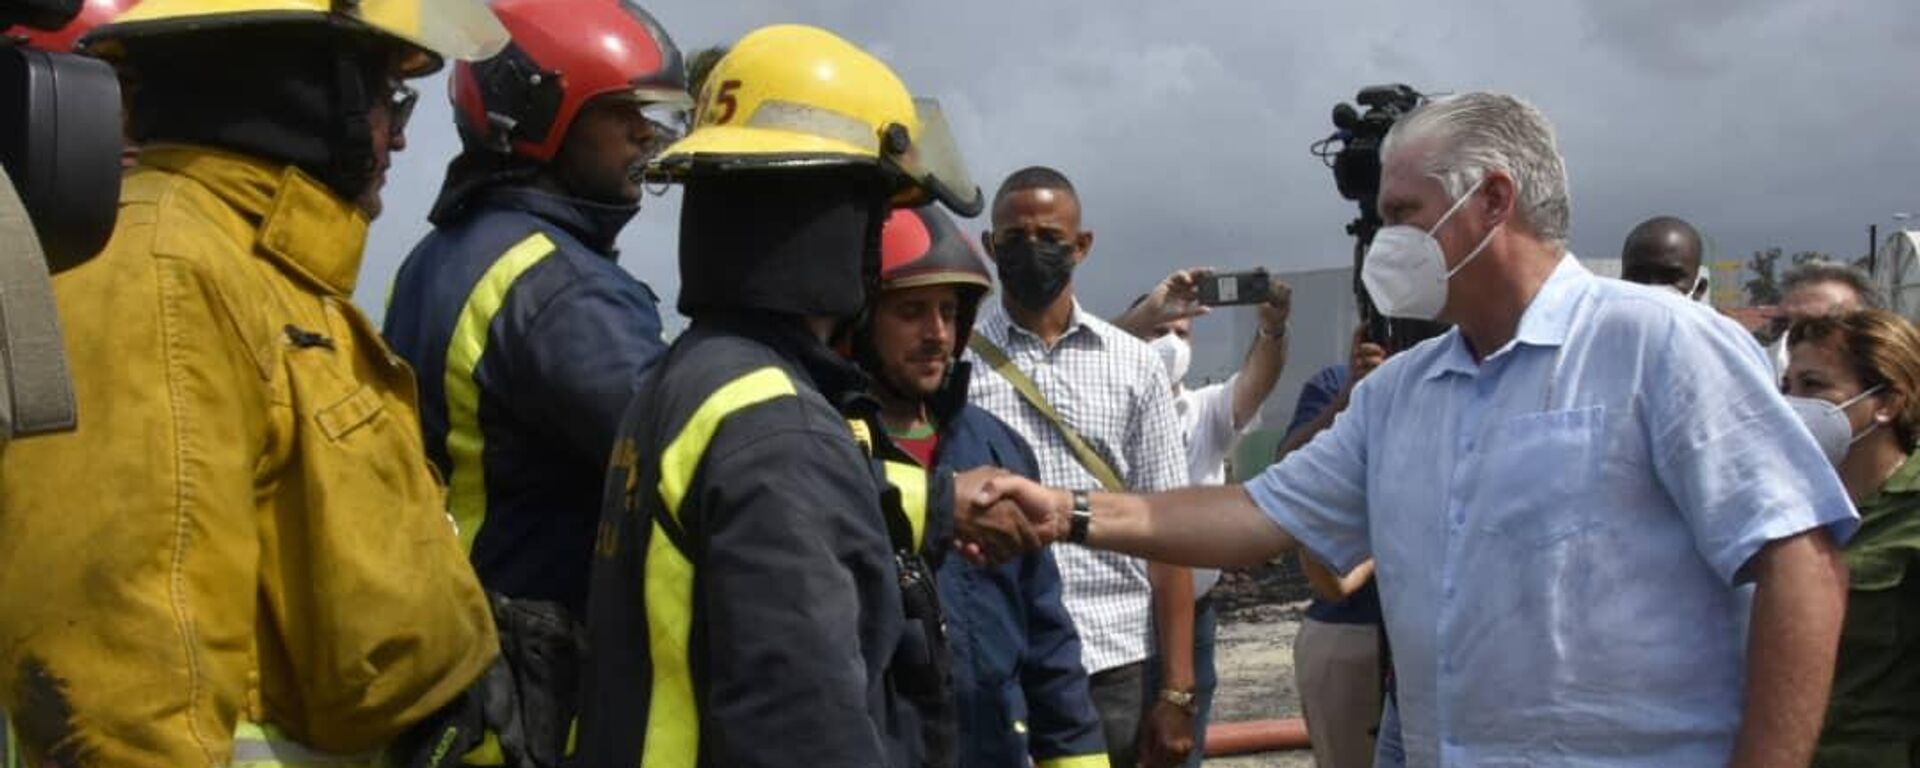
[1118,694]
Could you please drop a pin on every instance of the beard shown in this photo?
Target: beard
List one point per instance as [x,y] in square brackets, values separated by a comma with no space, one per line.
[908,381]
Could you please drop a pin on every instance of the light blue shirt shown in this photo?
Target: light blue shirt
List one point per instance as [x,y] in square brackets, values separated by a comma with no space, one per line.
[1559,529]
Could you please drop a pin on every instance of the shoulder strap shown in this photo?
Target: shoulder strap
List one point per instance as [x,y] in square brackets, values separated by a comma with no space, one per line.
[36,393]
[1088,457]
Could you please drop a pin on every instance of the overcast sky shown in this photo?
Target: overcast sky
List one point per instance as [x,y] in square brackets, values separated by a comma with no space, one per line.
[1790,123]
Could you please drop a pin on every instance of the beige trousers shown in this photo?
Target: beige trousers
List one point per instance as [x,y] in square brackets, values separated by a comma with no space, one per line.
[1337,668]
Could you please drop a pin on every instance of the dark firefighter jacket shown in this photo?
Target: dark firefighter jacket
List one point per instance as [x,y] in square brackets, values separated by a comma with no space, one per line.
[528,339]
[1020,687]
[747,607]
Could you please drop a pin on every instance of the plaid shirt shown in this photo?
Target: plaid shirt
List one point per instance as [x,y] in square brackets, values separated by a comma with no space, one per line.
[1113,391]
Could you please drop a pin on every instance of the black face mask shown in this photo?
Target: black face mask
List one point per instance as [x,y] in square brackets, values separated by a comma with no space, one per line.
[1033,272]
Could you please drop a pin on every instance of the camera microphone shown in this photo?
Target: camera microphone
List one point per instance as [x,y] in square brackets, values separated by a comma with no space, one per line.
[1345,117]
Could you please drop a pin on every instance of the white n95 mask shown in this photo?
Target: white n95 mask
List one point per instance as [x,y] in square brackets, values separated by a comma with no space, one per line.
[1175,354]
[1829,423]
[1406,269]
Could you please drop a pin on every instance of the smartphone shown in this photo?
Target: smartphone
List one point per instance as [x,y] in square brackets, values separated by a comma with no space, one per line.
[1221,289]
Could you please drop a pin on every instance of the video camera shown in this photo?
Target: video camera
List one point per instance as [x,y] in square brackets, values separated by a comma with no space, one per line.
[60,145]
[1353,152]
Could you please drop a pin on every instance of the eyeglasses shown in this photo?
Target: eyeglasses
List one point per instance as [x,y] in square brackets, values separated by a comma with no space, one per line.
[401,100]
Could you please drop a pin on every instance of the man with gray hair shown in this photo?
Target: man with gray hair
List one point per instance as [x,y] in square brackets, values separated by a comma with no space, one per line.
[1818,289]
[1562,496]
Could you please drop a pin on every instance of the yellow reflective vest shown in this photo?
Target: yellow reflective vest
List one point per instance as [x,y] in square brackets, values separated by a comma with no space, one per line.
[244,527]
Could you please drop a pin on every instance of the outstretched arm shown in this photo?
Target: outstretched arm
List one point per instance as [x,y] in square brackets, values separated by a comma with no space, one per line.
[1216,527]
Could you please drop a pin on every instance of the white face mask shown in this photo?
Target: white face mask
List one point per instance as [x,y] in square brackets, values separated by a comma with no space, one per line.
[1175,353]
[1406,269]
[1698,293]
[1829,423]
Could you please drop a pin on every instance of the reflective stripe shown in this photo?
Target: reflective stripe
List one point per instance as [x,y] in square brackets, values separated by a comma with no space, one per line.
[682,456]
[9,749]
[911,479]
[467,492]
[488,752]
[673,720]
[1074,761]
[815,120]
[264,746]
[861,435]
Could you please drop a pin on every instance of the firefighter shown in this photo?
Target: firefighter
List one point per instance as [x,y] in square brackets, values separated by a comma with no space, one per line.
[526,334]
[92,13]
[758,598]
[241,555]
[1020,689]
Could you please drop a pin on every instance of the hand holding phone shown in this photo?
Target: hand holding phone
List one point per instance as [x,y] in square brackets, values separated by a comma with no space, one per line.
[1220,289]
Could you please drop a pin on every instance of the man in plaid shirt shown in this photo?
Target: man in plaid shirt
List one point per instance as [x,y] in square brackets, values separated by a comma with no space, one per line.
[1110,389]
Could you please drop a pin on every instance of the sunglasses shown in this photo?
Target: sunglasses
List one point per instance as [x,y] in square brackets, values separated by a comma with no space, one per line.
[401,99]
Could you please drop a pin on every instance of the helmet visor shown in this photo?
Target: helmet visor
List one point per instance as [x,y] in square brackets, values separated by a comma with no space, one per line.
[933,162]
[450,29]
[436,30]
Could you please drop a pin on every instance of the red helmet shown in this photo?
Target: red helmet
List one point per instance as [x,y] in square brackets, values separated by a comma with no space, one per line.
[922,246]
[93,13]
[564,52]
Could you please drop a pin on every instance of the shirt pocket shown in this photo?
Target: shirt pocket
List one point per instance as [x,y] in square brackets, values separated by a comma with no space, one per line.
[1539,476]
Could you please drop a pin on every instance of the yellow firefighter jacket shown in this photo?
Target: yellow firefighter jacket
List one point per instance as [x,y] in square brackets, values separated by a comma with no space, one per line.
[244,528]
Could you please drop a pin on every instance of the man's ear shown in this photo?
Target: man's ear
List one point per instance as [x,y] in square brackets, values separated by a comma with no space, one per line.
[986,243]
[1500,198]
[1084,247]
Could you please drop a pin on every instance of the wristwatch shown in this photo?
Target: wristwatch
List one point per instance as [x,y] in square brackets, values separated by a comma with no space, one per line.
[1270,334]
[1082,518]
[1178,698]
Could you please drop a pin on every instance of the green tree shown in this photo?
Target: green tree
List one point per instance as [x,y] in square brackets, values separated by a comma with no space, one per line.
[1763,289]
[1805,257]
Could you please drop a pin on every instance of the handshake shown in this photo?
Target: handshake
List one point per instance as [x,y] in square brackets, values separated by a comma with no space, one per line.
[999,515]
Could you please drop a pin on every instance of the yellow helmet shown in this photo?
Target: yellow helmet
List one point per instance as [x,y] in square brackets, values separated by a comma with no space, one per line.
[793,96]
[432,30]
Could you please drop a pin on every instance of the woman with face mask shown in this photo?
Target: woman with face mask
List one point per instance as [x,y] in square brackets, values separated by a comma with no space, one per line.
[1855,378]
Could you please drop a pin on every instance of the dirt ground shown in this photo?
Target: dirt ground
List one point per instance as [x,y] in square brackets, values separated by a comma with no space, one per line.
[1259,616]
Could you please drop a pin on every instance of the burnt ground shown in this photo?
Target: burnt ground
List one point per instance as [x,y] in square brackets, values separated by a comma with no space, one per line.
[1259,615]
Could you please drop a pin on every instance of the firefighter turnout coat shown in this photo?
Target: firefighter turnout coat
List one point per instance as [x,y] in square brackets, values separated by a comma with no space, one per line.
[244,530]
